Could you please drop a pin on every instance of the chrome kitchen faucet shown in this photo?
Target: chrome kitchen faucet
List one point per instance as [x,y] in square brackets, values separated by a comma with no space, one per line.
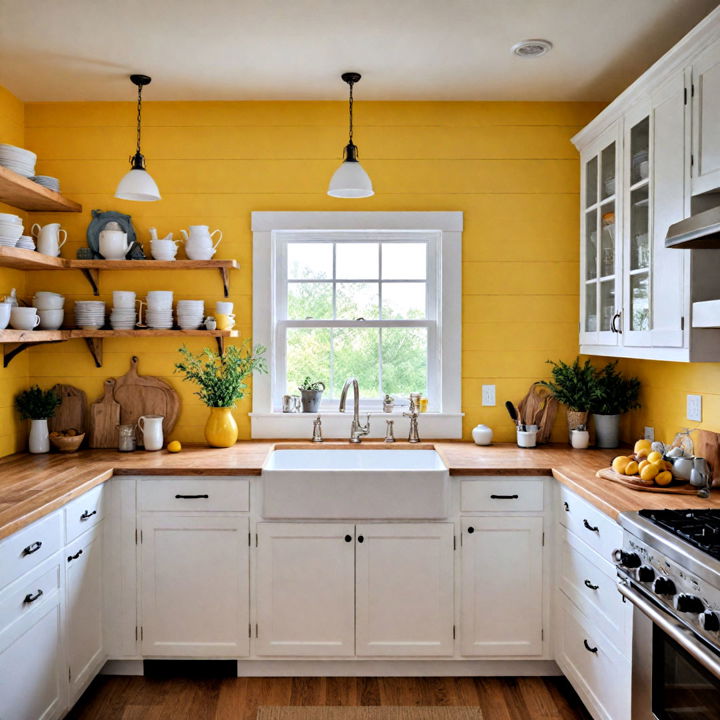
[357,430]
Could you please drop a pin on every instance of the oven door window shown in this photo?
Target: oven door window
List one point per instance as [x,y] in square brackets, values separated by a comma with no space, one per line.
[682,688]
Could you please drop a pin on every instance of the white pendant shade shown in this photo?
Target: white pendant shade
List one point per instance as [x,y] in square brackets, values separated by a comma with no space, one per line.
[350,181]
[138,185]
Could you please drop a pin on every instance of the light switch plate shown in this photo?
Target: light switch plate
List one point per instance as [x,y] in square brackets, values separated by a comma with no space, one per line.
[694,407]
[488,395]
[649,433]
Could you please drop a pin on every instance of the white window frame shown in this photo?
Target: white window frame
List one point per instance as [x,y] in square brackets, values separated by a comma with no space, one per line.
[271,231]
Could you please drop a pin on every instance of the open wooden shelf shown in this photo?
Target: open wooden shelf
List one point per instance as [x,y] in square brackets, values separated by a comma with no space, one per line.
[20,259]
[25,194]
[15,341]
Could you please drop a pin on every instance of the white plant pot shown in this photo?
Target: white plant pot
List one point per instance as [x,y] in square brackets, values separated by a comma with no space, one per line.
[607,430]
[39,440]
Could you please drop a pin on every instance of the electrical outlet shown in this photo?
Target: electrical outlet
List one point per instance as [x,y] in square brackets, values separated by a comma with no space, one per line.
[694,407]
[488,395]
[649,433]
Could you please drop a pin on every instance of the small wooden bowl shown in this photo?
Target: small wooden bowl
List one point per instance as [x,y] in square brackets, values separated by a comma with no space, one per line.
[67,443]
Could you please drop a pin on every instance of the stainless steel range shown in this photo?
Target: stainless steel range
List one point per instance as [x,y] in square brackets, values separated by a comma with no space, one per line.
[669,569]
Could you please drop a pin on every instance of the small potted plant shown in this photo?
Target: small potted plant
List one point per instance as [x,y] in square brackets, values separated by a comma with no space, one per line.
[572,386]
[37,406]
[311,393]
[612,396]
[221,379]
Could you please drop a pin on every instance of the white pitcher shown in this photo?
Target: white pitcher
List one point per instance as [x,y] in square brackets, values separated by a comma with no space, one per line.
[199,242]
[48,238]
[151,427]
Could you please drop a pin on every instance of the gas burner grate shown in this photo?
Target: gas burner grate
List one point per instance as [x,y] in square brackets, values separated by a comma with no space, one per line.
[700,528]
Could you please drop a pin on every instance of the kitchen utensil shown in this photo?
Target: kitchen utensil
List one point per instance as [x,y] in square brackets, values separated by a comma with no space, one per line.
[482,435]
[223,308]
[700,475]
[18,160]
[24,318]
[5,309]
[512,412]
[140,395]
[105,418]
[51,319]
[113,244]
[124,299]
[539,408]
[579,439]
[199,242]
[210,323]
[67,443]
[48,238]
[72,411]
[126,438]
[48,181]
[707,445]
[48,301]
[527,438]
[151,427]
[225,322]
[111,221]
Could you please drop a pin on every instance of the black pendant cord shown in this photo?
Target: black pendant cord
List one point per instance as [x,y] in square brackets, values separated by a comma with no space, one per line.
[139,118]
[350,104]
[351,151]
[137,161]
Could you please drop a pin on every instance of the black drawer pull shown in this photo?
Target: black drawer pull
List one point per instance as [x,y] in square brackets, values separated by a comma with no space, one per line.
[33,548]
[192,497]
[588,648]
[566,506]
[588,584]
[591,528]
[87,514]
[75,556]
[348,538]
[471,529]
[30,598]
[361,538]
[504,497]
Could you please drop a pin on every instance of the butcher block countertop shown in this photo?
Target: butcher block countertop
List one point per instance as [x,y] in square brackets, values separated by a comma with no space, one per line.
[34,485]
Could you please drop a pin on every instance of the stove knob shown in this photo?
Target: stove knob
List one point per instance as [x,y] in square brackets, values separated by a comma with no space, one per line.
[663,586]
[645,574]
[710,621]
[627,559]
[689,603]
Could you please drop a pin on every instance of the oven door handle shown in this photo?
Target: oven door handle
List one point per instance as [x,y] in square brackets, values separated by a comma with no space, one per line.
[694,648]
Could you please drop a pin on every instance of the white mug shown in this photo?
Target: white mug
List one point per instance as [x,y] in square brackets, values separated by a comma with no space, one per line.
[113,244]
[152,430]
[223,308]
[124,299]
[24,318]
[51,319]
[48,238]
[159,299]
[5,309]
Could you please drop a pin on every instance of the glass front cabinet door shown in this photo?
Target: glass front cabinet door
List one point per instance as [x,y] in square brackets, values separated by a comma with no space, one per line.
[600,255]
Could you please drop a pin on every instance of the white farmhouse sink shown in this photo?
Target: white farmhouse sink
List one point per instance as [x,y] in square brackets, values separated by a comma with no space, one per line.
[354,483]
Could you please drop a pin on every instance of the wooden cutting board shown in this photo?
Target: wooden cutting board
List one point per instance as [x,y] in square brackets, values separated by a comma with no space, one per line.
[72,412]
[635,483]
[104,419]
[706,444]
[146,395]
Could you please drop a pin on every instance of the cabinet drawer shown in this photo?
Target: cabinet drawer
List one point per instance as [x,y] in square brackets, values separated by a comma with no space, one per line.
[30,592]
[502,494]
[195,493]
[27,548]
[597,671]
[590,583]
[83,513]
[592,526]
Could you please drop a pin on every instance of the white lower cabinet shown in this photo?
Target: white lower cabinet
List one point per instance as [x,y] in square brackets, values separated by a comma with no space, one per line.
[305,599]
[194,585]
[502,586]
[84,606]
[404,589]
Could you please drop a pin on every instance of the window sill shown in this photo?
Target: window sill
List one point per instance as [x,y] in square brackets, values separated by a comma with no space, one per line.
[278,425]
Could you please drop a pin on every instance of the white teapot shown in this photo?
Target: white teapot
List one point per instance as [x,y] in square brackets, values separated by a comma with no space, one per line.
[199,242]
[113,244]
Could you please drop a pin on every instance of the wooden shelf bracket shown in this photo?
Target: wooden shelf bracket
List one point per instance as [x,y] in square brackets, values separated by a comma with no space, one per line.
[220,345]
[92,275]
[12,350]
[95,346]
[225,277]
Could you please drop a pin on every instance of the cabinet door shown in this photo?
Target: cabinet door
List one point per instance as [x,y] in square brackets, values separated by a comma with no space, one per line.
[31,666]
[305,578]
[600,259]
[84,637]
[502,592]
[404,589]
[195,585]
[706,120]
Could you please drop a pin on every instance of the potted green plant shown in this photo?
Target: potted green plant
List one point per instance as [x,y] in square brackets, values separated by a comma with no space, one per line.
[222,382]
[612,396]
[37,405]
[572,386]
[311,392]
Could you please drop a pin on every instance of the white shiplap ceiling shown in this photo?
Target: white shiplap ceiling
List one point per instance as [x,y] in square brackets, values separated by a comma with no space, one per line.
[296,49]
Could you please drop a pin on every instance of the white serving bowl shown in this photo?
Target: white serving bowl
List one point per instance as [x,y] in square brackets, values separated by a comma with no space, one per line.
[51,319]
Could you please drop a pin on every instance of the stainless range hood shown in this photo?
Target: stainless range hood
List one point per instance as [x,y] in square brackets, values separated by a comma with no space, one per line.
[700,231]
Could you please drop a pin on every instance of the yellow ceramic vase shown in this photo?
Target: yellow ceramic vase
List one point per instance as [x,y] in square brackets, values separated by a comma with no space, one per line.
[221,429]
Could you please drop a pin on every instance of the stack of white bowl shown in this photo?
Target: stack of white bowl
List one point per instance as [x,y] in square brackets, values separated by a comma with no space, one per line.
[190,314]
[11,228]
[48,181]
[50,309]
[123,315]
[90,314]
[159,309]
[18,159]
[26,242]
[163,248]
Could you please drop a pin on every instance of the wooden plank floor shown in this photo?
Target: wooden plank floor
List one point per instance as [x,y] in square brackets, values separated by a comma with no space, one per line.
[138,698]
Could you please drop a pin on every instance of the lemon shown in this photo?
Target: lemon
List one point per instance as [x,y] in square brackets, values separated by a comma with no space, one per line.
[642,453]
[654,457]
[174,446]
[649,472]
[663,478]
[642,445]
[642,464]
[620,463]
[631,468]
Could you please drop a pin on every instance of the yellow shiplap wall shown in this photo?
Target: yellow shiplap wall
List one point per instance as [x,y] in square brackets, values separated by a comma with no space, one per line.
[509,166]
[15,377]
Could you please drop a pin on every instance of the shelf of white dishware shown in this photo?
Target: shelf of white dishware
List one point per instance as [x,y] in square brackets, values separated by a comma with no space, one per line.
[20,259]
[25,194]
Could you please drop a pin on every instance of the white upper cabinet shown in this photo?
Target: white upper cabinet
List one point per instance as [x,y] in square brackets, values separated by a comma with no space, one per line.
[705,91]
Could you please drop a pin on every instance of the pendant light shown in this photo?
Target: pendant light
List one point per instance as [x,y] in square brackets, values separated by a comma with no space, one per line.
[137,184]
[350,180]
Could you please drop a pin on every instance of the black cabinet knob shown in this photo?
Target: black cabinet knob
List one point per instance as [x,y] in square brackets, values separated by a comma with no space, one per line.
[664,586]
[348,538]
[710,621]
[689,603]
[645,574]
[361,538]
[471,529]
